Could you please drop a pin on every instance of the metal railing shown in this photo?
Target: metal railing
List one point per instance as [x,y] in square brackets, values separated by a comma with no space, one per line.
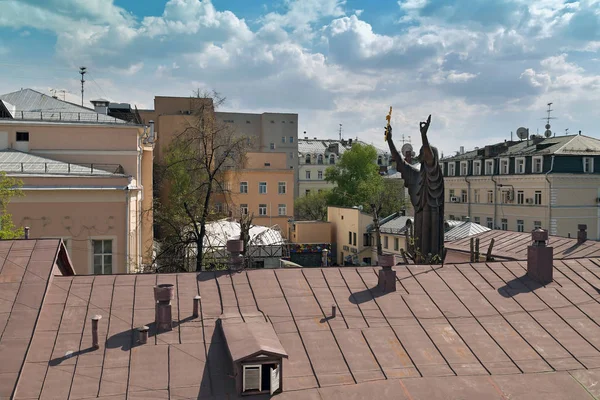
[61,168]
[67,116]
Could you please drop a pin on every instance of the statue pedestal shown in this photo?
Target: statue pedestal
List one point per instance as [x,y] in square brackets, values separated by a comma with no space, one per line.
[387,280]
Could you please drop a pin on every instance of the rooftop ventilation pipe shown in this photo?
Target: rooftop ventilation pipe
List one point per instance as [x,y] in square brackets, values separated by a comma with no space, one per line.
[163,294]
[26,232]
[582,233]
[95,320]
[197,306]
[540,258]
[387,276]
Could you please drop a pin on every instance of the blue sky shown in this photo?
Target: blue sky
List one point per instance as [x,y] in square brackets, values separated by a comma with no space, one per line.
[482,68]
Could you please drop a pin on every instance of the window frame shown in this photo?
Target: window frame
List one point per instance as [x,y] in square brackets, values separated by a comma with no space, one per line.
[591,159]
[504,224]
[284,186]
[476,196]
[307,159]
[490,200]
[464,196]
[272,146]
[244,209]
[91,253]
[396,244]
[307,174]
[260,207]
[451,171]
[291,139]
[464,164]
[245,183]
[477,220]
[332,159]
[385,242]
[491,164]
[520,225]
[283,139]
[504,162]
[259,188]
[320,175]
[26,133]
[489,221]
[320,159]
[253,366]
[281,207]
[537,194]
[533,161]
[517,160]
[477,167]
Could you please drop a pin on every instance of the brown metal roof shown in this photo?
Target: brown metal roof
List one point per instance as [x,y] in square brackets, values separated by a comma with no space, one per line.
[245,340]
[457,331]
[513,245]
[26,268]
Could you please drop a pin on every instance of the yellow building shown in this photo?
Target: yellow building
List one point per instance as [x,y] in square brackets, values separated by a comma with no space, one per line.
[87,178]
[349,234]
[552,183]
[393,235]
[309,231]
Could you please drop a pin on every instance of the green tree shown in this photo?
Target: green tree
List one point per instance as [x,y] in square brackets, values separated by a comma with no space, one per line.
[356,176]
[9,187]
[313,206]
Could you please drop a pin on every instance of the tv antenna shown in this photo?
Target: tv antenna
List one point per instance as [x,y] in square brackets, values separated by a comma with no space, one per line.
[566,131]
[340,132]
[82,71]
[548,132]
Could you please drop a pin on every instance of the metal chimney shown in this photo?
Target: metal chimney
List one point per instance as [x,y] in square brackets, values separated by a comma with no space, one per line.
[197,306]
[95,320]
[387,276]
[26,232]
[582,233]
[163,294]
[540,258]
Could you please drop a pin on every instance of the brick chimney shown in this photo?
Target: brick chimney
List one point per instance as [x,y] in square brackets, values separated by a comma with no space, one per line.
[387,276]
[582,233]
[540,258]
[163,294]
[235,249]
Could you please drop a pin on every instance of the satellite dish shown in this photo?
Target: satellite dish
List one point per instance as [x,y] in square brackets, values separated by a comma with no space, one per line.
[547,126]
[522,133]
[548,133]
[406,148]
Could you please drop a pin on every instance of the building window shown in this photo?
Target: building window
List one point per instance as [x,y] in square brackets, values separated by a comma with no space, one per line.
[218,208]
[252,378]
[262,209]
[464,168]
[272,146]
[282,209]
[504,166]
[366,240]
[291,139]
[283,139]
[308,174]
[331,159]
[520,225]
[292,155]
[490,196]
[463,196]
[477,220]
[477,167]
[281,187]
[385,242]
[463,218]
[490,222]
[379,160]
[103,256]
[262,187]
[537,198]
[244,209]
[505,196]
[536,165]
[451,217]
[537,225]
[489,167]
[451,169]
[520,197]
[320,174]
[588,165]
[354,238]
[307,192]
[243,187]
[519,165]
[320,159]
[504,224]
[307,159]
[476,195]
[349,237]
[396,244]
[22,136]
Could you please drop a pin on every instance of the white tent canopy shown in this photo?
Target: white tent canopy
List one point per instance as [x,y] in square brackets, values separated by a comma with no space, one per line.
[219,232]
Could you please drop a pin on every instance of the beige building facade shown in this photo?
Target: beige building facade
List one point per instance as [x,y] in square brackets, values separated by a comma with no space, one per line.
[87,178]
[550,183]
[350,236]
[310,231]
[264,189]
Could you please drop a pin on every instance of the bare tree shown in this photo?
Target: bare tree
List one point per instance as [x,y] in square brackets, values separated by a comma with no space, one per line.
[195,173]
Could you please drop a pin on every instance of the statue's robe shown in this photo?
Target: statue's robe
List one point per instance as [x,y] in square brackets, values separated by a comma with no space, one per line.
[426,190]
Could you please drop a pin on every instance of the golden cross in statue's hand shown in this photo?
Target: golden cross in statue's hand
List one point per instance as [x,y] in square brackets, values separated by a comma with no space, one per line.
[389,119]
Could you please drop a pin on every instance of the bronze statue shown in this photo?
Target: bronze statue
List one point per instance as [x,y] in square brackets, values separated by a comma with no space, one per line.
[426,190]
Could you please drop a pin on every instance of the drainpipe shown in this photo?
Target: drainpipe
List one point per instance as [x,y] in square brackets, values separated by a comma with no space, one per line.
[139,207]
[549,195]
[495,196]
[127,227]
[468,196]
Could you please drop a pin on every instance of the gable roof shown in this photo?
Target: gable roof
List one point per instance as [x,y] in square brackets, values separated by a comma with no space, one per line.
[248,339]
[18,162]
[464,230]
[26,273]
[29,104]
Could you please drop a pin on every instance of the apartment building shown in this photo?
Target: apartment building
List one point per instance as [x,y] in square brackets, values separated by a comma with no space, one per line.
[263,188]
[393,231]
[315,155]
[552,183]
[273,133]
[87,178]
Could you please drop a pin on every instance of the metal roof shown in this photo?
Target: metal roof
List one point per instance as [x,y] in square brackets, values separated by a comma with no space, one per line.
[397,225]
[320,146]
[248,339]
[28,104]
[464,230]
[13,161]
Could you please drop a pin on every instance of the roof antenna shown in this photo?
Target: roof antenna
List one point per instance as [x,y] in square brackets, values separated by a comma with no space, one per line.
[548,132]
[82,71]
[340,132]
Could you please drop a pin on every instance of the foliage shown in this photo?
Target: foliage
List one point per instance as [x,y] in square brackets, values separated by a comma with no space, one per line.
[313,206]
[192,179]
[9,187]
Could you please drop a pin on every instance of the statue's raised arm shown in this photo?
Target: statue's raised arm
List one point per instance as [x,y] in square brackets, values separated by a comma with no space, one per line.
[427,151]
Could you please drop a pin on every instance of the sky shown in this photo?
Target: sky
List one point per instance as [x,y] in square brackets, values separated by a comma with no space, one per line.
[482,68]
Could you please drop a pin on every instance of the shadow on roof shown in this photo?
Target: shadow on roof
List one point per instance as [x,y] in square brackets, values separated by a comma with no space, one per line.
[365,296]
[523,284]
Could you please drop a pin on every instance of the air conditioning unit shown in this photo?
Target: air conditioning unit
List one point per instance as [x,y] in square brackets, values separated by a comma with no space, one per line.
[511,195]
[454,199]
[529,201]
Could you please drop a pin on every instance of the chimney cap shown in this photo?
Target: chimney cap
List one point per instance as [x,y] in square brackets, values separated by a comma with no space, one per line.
[539,235]
[143,329]
[582,227]
[197,297]
[97,317]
